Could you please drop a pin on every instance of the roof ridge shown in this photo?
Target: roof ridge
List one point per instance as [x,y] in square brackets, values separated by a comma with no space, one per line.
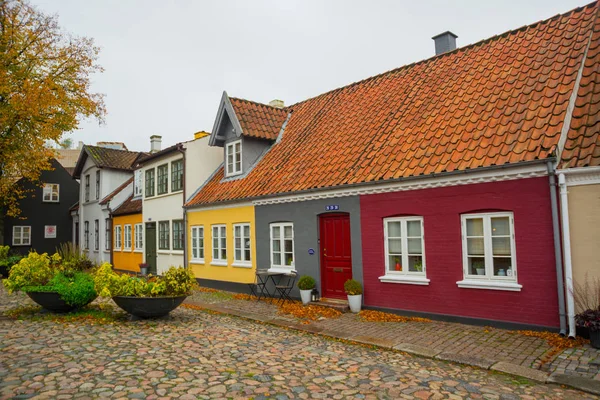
[595,3]
[108,148]
[259,104]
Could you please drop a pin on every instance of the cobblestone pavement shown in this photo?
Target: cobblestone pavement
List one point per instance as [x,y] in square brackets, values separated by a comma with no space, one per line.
[474,341]
[194,354]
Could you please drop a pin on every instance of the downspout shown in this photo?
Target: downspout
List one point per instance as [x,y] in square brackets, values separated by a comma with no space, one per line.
[181,149]
[557,250]
[110,235]
[564,208]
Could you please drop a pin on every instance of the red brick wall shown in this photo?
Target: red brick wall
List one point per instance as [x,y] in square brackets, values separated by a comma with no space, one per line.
[441,208]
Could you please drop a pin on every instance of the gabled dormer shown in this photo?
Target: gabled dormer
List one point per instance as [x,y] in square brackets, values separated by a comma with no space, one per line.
[246,130]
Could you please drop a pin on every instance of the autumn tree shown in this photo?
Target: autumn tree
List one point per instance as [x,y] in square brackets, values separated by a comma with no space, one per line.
[44,92]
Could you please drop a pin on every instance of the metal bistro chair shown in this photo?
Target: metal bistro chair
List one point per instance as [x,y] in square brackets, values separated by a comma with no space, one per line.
[285,286]
[259,287]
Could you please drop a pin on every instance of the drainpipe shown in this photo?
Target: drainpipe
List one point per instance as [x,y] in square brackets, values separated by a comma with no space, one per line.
[564,208]
[181,149]
[557,250]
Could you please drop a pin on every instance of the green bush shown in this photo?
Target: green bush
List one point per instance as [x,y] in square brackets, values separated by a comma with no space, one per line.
[352,287]
[76,290]
[73,259]
[306,283]
[175,282]
[33,270]
[4,252]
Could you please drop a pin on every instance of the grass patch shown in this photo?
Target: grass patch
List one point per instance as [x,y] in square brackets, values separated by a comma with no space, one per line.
[379,316]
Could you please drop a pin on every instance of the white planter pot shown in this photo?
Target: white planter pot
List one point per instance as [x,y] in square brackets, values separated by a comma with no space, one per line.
[480,271]
[355,302]
[305,295]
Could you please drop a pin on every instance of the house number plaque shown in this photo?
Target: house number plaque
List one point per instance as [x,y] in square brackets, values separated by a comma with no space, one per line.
[332,208]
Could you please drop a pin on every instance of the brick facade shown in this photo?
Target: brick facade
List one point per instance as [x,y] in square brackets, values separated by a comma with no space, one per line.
[441,208]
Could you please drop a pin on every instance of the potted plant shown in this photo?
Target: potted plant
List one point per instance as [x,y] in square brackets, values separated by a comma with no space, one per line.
[398,265]
[55,284]
[306,284]
[146,296]
[418,265]
[479,266]
[143,269]
[7,260]
[590,319]
[354,291]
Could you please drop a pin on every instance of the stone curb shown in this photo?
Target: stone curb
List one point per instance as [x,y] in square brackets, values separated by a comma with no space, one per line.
[584,384]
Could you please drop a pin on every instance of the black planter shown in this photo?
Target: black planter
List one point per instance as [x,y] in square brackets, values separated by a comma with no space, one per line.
[582,331]
[4,271]
[148,307]
[51,301]
[595,339]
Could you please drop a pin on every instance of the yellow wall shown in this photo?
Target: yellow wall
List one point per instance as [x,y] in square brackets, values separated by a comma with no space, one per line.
[228,217]
[129,260]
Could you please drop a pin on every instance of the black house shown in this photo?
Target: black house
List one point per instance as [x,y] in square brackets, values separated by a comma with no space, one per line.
[45,220]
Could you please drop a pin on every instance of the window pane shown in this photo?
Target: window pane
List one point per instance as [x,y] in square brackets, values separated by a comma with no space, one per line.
[238,243]
[413,228]
[276,245]
[26,231]
[223,231]
[475,246]
[276,231]
[288,246]
[223,254]
[501,246]
[289,259]
[247,255]
[247,231]
[476,265]
[276,258]
[502,266]
[394,229]
[223,242]
[395,263]
[236,230]
[395,246]
[287,232]
[415,263]
[500,226]
[238,254]
[414,246]
[215,253]
[475,227]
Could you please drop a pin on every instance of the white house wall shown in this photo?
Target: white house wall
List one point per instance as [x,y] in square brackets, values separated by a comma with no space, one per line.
[201,161]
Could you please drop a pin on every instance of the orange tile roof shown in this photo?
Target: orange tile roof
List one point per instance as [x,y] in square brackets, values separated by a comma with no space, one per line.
[258,120]
[129,206]
[502,100]
[582,147]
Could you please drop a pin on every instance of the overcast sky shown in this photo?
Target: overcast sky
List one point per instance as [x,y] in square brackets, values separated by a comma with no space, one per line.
[168,62]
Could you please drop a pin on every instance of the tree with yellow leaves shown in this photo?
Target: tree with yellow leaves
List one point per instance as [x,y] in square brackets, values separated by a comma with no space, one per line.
[44,93]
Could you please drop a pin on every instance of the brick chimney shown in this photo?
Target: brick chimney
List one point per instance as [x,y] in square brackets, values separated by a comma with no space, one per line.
[444,42]
[277,103]
[155,143]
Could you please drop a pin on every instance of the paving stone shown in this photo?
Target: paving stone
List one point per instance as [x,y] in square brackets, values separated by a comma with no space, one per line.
[466,359]
[416,349]
[529,373]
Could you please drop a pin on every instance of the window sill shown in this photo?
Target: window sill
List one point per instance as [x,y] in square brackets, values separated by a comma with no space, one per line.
[113,250]
[163,252]
[490,285]
[127,249]
[242,265]
[177,252]
[138,251]
[162,195]
[106,251]
[197,262]
[407,279]
[282,270]
[218,263]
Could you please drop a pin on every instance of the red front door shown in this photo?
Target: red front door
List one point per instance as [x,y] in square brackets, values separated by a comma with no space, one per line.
[336,254]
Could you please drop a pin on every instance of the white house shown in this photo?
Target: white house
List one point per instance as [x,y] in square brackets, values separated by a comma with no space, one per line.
[104,174]
[164,180]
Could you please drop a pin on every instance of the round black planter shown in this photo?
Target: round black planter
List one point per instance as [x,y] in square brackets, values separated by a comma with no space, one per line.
[595,339]
[582,331]
[148,307]
[51,301]
[4,271]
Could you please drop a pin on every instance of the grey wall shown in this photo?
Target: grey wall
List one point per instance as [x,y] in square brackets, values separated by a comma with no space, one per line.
[251,148]
[305,216]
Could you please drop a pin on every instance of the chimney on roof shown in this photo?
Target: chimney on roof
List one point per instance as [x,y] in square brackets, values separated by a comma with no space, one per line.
[155,143]
[444,42]
[277,103]
[80,145]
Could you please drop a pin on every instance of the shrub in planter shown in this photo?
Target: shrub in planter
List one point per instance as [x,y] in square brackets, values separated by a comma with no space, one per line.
[306,284]
[7,260]
[354,291]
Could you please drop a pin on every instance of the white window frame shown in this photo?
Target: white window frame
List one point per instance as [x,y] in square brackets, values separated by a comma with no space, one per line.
[404,276]
[97,185]
[23,240]
[138,233]
[242,261]
[138,183]
[221,233]
[198,245]
[107,236]
[281,267]
[48,190]
[118,241]
[127,239]
[86,235]
[237,158]
[489,280]
[96,235]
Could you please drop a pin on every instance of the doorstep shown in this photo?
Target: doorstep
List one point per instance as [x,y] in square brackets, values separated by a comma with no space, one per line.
[336,304]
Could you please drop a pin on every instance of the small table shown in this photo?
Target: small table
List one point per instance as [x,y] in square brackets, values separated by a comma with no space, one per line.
[263,278]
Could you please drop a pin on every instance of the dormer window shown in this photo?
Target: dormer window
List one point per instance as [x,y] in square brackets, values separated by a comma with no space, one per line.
[233,156]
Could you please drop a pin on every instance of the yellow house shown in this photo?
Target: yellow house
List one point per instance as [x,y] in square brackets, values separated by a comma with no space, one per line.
[128,236]
[221,243]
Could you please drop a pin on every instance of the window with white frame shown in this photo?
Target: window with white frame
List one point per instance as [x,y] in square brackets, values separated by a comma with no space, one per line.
[107,241]
[127,237]
[87,188]
[137,183]
[233,155]
[404,246]
[241,244]
[162,172]
[177,234]
[489,247]
[86,235]
[163,235]
[282,245]
[21,235]
[139,236]
[97,185]
[118,236]
[51,193]
[96,234]
[198,243]
[219,244]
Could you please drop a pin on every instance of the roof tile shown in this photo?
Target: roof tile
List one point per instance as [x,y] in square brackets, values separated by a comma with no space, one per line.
[258,120]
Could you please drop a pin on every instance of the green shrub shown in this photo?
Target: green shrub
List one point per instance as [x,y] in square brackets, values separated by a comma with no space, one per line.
[76,290]
[73,259]
[352,287]
[306,283]
[33,270]
[4,252]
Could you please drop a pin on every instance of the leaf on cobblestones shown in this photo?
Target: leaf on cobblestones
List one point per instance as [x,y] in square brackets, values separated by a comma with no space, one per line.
[379,316]
[243,296]
[555,341]
[307,312]
[206,290]
[198,308]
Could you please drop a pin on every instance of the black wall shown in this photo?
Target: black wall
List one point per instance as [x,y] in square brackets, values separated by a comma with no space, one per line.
[37,214]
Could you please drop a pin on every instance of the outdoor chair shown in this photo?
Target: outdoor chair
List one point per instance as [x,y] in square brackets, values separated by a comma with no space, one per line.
[285,286]
[258,288]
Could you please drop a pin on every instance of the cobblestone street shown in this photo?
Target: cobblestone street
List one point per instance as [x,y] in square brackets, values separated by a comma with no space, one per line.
[195,354]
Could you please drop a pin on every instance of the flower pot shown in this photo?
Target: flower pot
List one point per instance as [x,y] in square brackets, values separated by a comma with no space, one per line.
[305,295]
[148,307]
[582,331]
[355,302]
[480,271]
[144,271]
[595,339]
[51,301]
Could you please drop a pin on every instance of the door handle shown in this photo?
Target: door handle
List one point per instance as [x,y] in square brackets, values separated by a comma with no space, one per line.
[338,270]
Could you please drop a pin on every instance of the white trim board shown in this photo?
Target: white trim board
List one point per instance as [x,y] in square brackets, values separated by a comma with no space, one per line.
[581,176]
